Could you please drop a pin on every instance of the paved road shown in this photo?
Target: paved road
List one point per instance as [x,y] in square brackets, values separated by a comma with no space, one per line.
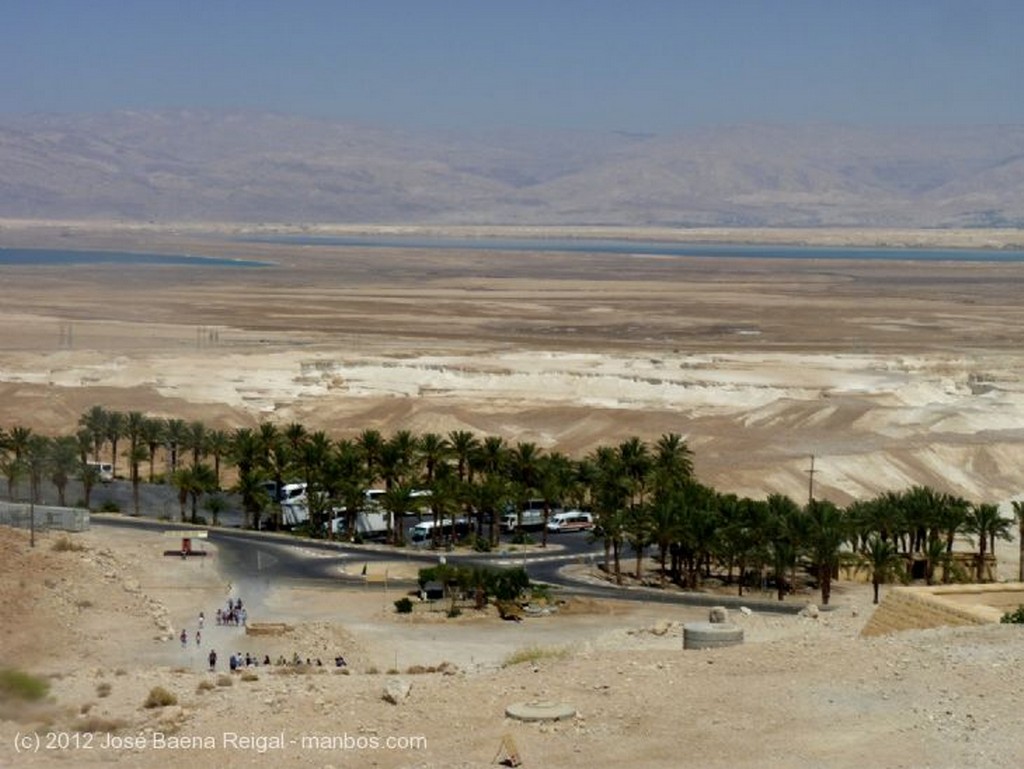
[256,557]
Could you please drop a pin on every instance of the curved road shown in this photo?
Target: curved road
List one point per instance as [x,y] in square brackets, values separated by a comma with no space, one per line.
[263,557]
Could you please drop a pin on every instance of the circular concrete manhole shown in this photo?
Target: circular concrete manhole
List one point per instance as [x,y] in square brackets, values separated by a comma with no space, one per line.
[540,710]
[711,635]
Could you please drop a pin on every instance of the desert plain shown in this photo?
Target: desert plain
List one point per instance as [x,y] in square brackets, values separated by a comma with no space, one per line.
[888,373]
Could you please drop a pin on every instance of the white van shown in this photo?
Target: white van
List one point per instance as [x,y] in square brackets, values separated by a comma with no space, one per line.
[571,520]
[104,471]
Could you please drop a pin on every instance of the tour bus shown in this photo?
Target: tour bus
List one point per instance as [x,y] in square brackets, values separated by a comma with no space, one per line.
[571,520]
[423,532]
[530,519]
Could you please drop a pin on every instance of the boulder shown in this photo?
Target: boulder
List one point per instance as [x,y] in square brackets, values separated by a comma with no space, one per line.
[396,690]
[718,614]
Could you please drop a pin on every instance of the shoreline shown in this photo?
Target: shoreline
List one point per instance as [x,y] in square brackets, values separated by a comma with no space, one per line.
[910,238]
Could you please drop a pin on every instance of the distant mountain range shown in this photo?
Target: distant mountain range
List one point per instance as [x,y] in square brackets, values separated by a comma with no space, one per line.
[184,165]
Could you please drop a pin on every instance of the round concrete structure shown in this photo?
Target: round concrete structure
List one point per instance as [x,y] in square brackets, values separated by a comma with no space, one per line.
[711,635]
[540,710]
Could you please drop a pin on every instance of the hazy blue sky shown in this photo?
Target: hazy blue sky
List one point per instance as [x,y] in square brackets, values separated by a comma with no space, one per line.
[657,66]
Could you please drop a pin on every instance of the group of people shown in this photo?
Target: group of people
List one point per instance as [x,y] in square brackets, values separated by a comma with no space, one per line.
[237,661]
[235,614]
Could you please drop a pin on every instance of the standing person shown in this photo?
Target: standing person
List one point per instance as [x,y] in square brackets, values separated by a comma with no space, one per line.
[184,638]
[245,616]
[199,637]
[213,659]
[202,619]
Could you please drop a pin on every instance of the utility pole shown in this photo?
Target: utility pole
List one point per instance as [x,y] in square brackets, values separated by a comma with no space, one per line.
[810,482]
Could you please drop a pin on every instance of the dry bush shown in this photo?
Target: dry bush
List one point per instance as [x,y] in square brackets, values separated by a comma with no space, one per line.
[99,724]
[205,686]
[225,680]
[534,654]
[159,697]
[103,689]
[250,677]
[63,544]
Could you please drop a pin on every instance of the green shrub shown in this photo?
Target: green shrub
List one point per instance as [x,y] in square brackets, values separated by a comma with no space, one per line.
[1014,617]
[110,506]
[403,606]
[18,685]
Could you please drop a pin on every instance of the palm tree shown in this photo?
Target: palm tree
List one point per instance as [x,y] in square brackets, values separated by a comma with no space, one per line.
[13,469]
[94,421]
[524,464]
[666,524]
[195,441]
[556,477]
[90,475]
[36,458]
[674,459]
[370,442]
[1018,514]
[985,521]
[136,456]
[64,464]
[152,434]
[175,435]
[432,450]
[218,446]
[246,454]
[827,532]
[399,502]
[183,480]
[117,424]
[609,494]
[880,558]
[133,427]
[464,445]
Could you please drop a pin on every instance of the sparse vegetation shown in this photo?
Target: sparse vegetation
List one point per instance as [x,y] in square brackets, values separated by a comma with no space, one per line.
[205,686]
[1015,617]
[103,689]
[534,654]
[250,676]
[225,680]
[159,697]
[403,606]
[18,685]
[100,725]
[64,544]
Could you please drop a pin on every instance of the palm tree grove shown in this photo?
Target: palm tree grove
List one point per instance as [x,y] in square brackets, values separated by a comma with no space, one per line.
[643,497]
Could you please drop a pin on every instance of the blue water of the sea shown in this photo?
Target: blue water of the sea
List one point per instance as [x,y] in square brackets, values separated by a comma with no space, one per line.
[60,257]
[657,248]
[42,257]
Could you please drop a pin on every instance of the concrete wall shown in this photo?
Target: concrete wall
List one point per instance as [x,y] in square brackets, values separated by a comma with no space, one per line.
[43,517]
[917,608]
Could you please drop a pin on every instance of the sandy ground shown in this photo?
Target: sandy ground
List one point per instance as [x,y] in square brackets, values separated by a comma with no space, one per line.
[100,623]
[888,373]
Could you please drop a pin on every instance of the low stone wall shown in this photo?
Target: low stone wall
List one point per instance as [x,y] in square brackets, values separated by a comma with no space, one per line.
[917,608]
[45,517]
